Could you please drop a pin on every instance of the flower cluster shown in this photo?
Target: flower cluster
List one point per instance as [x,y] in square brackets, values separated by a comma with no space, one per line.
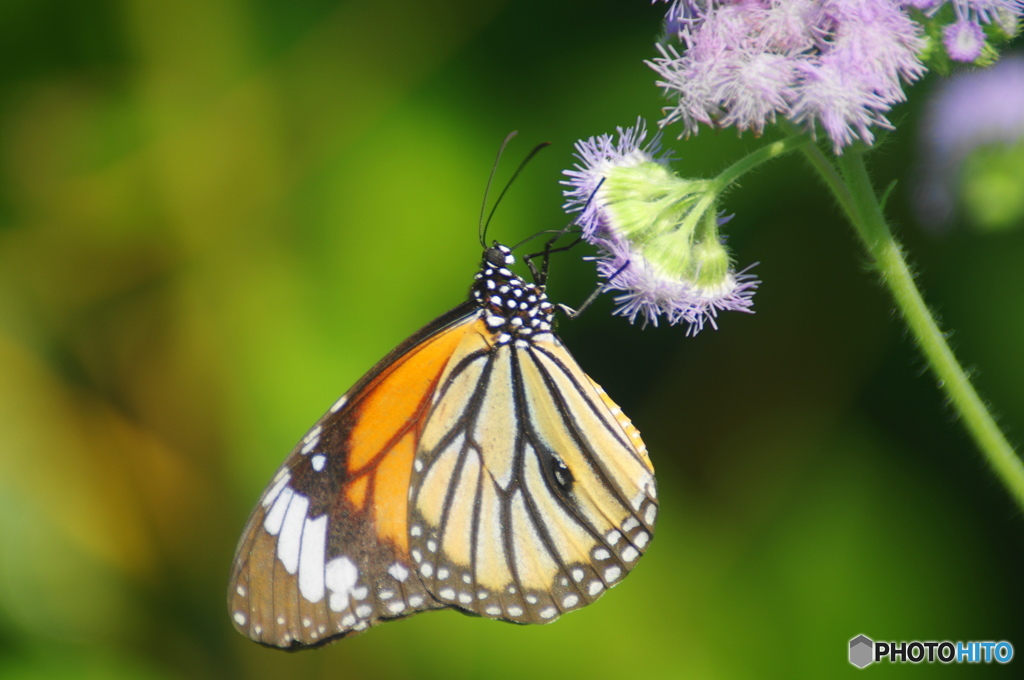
[830,66]
[657,233]
[837,64]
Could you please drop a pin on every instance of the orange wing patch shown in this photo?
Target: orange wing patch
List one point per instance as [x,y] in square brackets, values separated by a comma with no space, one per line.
[391,492]
[391,401]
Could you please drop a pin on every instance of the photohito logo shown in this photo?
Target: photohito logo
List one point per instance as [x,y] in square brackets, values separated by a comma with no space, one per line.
[865,651]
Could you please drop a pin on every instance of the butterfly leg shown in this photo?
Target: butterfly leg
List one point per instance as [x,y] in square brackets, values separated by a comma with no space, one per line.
[540,276]
[601,288]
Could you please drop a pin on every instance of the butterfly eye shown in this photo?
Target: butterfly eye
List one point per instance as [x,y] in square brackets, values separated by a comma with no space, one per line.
[495,256]
[499,256]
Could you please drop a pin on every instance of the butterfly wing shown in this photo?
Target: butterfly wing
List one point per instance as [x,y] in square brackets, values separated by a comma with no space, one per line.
[325,553]
[531,492]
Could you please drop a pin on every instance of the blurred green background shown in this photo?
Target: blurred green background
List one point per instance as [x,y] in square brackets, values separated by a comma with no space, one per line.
[215,215]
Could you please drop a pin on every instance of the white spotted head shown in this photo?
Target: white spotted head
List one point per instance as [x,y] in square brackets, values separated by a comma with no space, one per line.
[514,309]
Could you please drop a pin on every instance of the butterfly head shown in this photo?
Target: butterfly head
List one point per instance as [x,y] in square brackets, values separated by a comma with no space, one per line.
[514,310]
[499,256]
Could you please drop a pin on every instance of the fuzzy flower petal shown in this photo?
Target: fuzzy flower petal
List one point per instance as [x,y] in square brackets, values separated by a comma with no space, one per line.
[648,294]
[596,157]
[844,103]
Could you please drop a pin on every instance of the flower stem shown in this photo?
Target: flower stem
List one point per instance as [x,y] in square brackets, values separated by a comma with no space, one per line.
[765,153]
[851,185]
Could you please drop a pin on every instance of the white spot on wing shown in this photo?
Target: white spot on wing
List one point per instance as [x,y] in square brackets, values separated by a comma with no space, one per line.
[338,404]
[272,522]
[276,489]
[340,575]
[289,542]
[318,461]
[399,572]
[311,439]
[240,618]
[311,559]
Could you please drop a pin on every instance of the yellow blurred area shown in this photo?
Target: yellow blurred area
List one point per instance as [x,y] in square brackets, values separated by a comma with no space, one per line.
[216,215]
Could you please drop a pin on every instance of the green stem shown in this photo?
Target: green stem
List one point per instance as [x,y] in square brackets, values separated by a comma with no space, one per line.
[852,188]
[752,160]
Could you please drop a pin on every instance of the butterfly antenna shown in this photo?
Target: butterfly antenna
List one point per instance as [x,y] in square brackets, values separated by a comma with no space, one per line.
[481,227]
[485,224]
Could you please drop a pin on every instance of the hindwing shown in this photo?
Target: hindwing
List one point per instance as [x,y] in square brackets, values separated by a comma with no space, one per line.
[531,492]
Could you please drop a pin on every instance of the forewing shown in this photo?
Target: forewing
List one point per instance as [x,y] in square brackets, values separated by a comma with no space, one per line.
[325,552]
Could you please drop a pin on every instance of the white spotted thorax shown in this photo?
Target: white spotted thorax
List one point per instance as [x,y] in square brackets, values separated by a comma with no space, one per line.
[516,310]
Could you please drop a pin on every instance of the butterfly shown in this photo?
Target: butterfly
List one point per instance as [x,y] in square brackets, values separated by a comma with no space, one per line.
[476,467]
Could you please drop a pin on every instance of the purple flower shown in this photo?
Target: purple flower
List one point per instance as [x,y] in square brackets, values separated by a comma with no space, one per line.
[837,66]
[656,233]
[971,110]
[963,41]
